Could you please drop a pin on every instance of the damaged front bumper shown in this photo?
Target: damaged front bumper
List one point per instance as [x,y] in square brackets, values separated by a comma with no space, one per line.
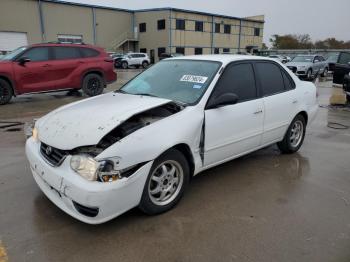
[91,202]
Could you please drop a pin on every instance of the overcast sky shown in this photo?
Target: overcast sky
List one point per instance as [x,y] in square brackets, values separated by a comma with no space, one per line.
[319,18]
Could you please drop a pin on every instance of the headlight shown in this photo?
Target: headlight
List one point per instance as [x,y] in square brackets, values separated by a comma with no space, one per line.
[302,67]
[35,134]
[85,166]
[105,170]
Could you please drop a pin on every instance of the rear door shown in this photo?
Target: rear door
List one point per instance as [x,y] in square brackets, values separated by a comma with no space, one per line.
[63,72]
[341,68]
[234,129]
[279,98]
[33,76]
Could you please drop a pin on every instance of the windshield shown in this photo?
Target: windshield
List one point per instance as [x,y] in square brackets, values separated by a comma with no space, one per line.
[183,81]
[305,59]
[14,53]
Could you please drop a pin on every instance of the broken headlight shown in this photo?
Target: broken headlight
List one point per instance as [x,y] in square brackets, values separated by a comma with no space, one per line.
[104,171]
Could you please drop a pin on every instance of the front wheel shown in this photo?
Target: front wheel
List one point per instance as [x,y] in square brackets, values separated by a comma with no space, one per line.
[166,183]
[294,136]
[6,92]
[93,85]
[309,74]
[325,72]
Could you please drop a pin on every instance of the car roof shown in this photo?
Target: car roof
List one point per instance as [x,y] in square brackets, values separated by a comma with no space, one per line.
[64,44]
[225,59]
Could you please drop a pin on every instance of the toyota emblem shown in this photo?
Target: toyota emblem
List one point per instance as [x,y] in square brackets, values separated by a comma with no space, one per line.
[48,150]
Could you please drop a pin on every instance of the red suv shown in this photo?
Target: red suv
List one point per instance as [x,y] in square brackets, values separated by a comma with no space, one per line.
[55,67]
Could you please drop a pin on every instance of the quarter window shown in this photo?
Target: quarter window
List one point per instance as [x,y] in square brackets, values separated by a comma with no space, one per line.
[180,24]
[238,79]
[271,79]
[66,53]
[37,54]
[142,27]
[199,26]
[88,52]
[161,24]
[288,82]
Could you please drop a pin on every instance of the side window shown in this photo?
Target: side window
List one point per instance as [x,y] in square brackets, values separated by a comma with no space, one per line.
[238,79]
[88,52]
[37,54]
[288,81]
[271,79]
[344,58]
[63,52]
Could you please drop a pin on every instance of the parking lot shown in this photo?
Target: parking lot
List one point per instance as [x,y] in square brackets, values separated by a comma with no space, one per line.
[261,207]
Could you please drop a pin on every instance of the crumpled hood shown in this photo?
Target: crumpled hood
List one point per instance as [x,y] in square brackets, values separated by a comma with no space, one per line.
[86,122]
[298,64]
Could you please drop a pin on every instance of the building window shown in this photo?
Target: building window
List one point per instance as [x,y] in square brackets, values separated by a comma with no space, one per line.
[143,50]
[180,50]
[216,50]
[199,26]
[227,29]
[198,51]
[142,27]
[70,39]
[161,50]
[217,28]
[161,24]
[256,31]
[226,50]
[180,24]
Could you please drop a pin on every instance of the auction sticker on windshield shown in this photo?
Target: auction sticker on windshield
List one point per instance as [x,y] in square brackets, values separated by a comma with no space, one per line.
[194,79]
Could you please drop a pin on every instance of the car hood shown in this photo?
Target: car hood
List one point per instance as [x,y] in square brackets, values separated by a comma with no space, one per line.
[86,122]
[298,64]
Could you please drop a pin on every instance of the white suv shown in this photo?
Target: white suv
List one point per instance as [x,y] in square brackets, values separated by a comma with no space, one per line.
[135,59]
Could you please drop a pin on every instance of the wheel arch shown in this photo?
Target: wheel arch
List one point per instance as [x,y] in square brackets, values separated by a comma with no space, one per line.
[186,151]
[305,115]
[8,80]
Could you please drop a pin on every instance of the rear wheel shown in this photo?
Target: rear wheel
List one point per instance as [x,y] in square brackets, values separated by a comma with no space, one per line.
[93,85]
[6,92]
[166,183]
[144,64]
[125,65]
[294,136]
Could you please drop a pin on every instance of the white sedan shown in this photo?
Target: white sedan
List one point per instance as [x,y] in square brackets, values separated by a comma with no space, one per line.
[139,146]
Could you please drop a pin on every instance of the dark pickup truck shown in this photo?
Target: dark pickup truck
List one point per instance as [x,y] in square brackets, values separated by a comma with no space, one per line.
[341,73]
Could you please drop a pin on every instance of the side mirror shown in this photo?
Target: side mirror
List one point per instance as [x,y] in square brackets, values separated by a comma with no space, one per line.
[222,100]
[23,60]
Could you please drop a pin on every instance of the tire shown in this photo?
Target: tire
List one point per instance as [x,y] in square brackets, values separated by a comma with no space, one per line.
[309,74]
[325,72]
[125,65]
[93,85]
[144,64]
[6,92]
[289,145]
[162,181]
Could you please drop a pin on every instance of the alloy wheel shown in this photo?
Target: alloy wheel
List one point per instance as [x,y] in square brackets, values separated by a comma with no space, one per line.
[296,134]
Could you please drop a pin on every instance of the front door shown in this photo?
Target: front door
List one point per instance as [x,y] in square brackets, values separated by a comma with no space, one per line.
[233,130]
[32,76]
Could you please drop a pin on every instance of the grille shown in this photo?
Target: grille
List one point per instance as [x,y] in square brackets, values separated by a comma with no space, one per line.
[293,68]
[53,155]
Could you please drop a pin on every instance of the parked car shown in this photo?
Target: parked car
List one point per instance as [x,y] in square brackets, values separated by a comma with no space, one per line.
[341,73]
[54,67]
[134,59]
[171,122]
[279,58]
[169,55]
[308,66]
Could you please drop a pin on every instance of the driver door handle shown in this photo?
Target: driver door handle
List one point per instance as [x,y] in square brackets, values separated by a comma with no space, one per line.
[46,65]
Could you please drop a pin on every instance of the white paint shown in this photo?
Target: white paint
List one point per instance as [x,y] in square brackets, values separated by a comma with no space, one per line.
[231,131]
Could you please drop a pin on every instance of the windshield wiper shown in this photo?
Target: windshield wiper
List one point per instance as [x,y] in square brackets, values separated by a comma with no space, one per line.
[144,94]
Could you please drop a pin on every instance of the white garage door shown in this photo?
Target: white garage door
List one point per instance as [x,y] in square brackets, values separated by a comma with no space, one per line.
[11,40]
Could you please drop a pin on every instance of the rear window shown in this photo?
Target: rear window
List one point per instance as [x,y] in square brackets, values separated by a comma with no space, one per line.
[88,52]
[66,52]
[270,78]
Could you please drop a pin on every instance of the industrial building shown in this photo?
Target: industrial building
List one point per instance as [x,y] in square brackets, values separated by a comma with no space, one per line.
[153,31]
